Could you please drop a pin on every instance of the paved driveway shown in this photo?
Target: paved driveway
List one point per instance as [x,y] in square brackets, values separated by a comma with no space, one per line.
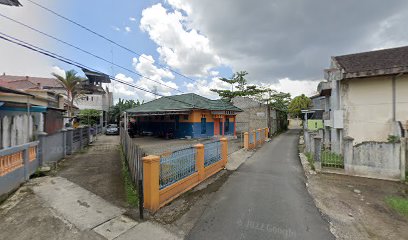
[265,198]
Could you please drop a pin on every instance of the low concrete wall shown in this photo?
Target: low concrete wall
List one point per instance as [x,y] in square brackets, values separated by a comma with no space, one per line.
[16,165]
[376,160]
[53,147]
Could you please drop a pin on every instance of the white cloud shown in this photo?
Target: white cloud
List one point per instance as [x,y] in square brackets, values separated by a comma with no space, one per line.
[16,60]
[132,19]
[58,70]
[116,28]
[179,47]
[203,87]
[128,29]
[294,87]
[156,81]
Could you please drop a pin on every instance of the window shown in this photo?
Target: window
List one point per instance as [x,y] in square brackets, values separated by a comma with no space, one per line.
[185,117]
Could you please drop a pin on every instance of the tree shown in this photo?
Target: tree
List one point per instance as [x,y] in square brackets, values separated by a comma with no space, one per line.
[278,100]
[298,104]
[72,84]
[121,106]
[89,116]
[243,90]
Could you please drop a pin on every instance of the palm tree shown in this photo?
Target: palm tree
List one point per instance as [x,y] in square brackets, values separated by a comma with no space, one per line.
[71,83]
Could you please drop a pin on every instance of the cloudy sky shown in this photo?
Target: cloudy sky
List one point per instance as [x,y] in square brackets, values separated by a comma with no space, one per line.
[282,44]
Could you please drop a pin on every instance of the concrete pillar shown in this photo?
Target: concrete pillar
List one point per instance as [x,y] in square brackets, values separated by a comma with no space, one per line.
[311,140]
[348,153]
[64,141]
[200,161]
[151,185]
[246,140]
[41,147]
[403,158]
[69,140]
[321,133]
[317,152]
[254,138]
[81,139]
[26,164]
[224,151]
[306,140]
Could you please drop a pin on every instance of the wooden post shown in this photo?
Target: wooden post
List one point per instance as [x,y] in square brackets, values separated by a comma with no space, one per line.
[266,133]
[151,175]
[200,161]
[246,140]
[224,151]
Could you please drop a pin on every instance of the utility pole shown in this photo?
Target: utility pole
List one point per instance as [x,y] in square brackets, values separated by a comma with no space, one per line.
[268,112]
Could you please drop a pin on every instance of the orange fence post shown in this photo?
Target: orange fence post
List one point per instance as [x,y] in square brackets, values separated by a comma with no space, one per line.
[246,140]
[224,151]
[254,138]
[200,161]
[266,132]
[151,175]
[259,133]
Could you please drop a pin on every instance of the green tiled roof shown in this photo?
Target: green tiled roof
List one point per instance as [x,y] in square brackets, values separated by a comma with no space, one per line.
[187,101]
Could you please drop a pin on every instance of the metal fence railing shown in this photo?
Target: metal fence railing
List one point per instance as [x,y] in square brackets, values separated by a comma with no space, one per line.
[85,132]
[212,153]
[176,166]
[76,135]
[331,159]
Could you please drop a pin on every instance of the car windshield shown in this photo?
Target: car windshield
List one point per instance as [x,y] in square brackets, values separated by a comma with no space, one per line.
[113,126]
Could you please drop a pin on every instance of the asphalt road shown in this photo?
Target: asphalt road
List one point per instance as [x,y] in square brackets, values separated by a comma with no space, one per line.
[266,198]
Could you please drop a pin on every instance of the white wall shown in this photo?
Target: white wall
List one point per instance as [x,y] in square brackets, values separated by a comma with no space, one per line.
[367,104]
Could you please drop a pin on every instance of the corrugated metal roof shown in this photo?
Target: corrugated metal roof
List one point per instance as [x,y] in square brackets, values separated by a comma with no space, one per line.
[187,101]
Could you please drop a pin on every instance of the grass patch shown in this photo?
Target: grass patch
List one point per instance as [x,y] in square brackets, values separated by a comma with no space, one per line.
[310,159]
[399,204]
[132,197]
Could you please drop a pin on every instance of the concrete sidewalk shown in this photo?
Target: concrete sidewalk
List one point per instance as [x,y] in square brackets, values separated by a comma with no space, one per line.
[56,208]
[85,200]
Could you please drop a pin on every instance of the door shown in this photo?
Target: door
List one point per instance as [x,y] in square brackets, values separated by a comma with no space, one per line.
[203,125]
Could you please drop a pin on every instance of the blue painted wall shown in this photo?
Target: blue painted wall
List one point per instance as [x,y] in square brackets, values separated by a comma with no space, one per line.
[185,129]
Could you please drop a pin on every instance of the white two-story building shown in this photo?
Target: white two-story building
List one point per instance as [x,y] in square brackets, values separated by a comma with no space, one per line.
[366,97]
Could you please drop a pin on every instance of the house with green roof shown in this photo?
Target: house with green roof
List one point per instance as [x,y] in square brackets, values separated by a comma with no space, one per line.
[185,115]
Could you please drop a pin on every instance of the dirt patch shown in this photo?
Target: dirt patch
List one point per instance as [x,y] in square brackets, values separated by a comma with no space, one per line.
[98,169]
[181,214]
[356,206]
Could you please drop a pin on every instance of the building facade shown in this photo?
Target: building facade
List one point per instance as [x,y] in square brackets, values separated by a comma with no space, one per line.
[256,115]
[366,97]
[186,115]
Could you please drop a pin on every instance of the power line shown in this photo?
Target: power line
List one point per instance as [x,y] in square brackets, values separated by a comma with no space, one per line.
[107,39]
[87,52]
[42,51]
